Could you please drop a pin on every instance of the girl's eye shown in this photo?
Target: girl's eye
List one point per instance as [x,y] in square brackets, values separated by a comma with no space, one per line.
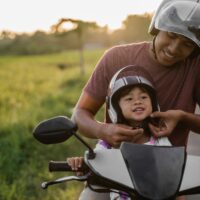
[129,99]
[144,97]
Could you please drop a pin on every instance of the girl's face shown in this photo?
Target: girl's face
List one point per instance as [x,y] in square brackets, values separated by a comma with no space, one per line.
[171,48]
[136,105]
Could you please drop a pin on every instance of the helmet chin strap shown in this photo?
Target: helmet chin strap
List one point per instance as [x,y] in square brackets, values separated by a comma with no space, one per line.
[154,49]
[143,124]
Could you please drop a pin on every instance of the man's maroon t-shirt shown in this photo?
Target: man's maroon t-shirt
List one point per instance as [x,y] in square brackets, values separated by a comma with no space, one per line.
[177,86]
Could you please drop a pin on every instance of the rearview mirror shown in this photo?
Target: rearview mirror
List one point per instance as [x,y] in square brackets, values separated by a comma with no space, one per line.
[54,130]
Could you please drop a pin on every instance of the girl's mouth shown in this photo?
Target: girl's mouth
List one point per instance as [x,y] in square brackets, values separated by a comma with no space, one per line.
[139,109]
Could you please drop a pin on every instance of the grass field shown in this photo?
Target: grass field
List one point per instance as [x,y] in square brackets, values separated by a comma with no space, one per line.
[34,88]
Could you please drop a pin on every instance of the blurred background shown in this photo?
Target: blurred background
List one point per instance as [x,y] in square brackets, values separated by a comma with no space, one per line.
[48,50]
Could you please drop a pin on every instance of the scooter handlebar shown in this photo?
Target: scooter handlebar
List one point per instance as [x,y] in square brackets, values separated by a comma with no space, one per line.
[55,166]
[63,166]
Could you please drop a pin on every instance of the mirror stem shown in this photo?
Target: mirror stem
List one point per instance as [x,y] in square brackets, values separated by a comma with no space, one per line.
[91,154]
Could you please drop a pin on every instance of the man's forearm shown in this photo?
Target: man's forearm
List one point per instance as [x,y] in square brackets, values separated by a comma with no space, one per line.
[87,125]
[192,121]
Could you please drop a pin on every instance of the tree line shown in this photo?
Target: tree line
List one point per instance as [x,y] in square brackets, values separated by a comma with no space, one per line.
[81,35]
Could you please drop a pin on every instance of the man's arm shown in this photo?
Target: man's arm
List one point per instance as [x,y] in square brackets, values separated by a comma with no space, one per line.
[84,115]
[192,121]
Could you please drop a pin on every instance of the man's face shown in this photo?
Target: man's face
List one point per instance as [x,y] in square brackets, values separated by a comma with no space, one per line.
[136,105]
[171,48]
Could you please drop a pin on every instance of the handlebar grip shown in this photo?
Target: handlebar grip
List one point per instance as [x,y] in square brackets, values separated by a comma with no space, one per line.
[64,166]
[59,166]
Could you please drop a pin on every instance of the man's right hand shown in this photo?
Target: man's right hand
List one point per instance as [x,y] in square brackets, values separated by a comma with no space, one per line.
[114,134]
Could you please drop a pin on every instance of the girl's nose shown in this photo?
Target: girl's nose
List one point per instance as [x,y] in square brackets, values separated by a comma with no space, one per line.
[137,101]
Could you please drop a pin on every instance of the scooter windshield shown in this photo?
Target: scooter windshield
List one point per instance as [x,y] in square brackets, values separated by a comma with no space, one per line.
[156,171]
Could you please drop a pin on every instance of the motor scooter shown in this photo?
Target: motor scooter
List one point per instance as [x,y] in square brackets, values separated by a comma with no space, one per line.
[143,172]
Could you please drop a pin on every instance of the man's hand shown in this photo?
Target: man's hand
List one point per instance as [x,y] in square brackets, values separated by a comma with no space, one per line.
[168,122]
[114,134]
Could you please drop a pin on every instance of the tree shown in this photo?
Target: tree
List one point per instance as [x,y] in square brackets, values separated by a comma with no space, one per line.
[136,27]
[80,28]
[5,34]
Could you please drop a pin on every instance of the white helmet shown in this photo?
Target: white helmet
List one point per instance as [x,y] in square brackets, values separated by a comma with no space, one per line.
[137,77]
[178,16]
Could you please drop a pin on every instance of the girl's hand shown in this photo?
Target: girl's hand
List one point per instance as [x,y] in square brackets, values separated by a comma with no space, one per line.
[75,163]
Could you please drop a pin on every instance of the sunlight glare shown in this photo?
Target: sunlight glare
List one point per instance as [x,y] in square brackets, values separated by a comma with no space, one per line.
[36,14]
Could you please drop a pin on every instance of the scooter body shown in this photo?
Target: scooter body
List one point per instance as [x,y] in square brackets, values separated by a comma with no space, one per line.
[141,171]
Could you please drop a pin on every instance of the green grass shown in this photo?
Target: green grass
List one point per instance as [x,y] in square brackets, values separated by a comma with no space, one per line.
[34,88]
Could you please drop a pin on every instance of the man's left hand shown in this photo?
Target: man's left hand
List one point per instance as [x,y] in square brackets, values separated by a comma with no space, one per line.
[168,122]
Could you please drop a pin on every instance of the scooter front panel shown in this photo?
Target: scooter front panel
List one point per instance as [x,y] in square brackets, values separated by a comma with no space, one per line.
[110,164]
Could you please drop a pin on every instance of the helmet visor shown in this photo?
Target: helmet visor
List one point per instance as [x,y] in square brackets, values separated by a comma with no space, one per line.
[182,18]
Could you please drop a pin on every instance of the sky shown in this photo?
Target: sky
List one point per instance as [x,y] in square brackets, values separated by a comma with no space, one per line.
[31,15]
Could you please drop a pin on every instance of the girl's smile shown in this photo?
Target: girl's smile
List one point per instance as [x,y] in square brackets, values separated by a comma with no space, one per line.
[136,105]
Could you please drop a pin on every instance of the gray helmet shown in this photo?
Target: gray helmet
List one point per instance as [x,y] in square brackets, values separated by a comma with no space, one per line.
[117,85]
[178,16]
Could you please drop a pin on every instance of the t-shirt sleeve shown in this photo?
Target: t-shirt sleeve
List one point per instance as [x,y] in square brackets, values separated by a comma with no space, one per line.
[97,84]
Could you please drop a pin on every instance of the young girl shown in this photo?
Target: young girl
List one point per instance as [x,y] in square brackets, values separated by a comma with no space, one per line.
[130,101]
